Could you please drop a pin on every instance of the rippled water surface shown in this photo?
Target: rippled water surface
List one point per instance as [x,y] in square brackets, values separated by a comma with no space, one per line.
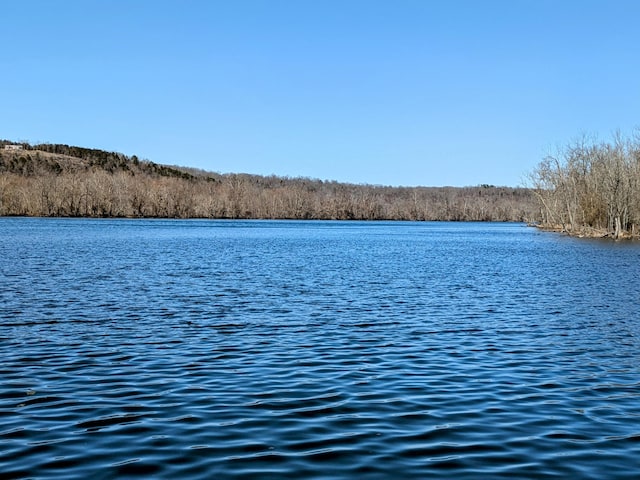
[233,349]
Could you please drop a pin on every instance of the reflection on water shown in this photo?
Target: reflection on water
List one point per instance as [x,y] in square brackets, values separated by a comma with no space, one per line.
[204,349]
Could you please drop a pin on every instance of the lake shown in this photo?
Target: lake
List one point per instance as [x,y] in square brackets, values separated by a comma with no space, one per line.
[201,349]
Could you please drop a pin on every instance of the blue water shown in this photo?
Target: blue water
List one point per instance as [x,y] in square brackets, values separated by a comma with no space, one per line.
[276,349]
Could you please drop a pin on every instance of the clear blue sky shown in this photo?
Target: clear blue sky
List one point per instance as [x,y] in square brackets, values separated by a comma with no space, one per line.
[395,92]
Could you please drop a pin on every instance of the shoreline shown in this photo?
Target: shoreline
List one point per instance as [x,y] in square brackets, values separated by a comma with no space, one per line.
[586,232]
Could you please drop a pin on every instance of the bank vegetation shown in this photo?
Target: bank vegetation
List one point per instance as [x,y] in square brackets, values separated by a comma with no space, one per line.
[65,181]
[591,188]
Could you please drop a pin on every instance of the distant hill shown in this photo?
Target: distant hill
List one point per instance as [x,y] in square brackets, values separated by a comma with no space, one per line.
[58,158]
[63,180]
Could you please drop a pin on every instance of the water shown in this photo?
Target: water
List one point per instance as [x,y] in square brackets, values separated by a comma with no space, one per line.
[259,349]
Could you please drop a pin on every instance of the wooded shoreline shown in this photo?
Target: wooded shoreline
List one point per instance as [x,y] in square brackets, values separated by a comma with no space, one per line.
[54,180]
[591,188]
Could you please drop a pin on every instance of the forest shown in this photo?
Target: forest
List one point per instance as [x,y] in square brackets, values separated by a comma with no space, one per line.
[54,180]
[591,188]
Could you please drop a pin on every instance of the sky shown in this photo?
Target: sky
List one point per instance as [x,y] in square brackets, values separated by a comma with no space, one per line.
[393,92]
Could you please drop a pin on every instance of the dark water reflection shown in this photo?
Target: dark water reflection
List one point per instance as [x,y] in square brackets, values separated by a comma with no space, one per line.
[202,349]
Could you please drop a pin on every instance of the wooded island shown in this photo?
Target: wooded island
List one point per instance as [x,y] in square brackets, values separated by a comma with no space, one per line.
[54,180]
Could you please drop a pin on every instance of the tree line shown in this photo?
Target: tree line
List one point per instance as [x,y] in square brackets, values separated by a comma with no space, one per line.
[61,180]
[591,187]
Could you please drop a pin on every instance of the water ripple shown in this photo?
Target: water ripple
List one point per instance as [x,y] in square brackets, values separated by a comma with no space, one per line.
[173,349]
